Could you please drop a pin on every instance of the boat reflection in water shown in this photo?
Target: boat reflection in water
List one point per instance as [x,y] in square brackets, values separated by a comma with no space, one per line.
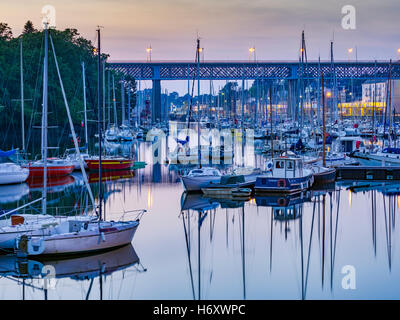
[13,192]
[54,184]
[33,274]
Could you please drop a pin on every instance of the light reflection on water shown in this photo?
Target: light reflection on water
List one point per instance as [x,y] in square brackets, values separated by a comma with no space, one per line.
[190,247]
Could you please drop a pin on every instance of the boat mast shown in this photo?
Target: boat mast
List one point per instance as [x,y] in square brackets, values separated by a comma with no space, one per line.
[22,97]
[323,122]
[114,103]
[44,117]
[84,103]
[198,100]
[99,118]
[270,110]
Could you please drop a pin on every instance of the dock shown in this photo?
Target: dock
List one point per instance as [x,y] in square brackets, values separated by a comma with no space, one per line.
[368,173]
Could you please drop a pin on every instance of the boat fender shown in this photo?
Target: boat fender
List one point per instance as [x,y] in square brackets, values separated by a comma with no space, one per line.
[282,202]
[281,183]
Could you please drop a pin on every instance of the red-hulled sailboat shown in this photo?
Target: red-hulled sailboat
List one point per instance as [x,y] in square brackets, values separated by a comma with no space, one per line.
[55,168]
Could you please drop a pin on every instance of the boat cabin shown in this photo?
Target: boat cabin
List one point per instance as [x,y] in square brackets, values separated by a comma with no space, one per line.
[349,144]
[206,171]
[287,167]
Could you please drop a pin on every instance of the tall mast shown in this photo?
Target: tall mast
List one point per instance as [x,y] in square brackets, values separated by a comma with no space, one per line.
[84,103]
[114,103]
[323,122]
[270,110]
[22,97]
[198,100]
[123,101]
[44,117]
[99,127]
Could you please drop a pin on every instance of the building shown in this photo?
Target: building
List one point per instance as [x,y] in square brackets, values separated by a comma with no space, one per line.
[377,91]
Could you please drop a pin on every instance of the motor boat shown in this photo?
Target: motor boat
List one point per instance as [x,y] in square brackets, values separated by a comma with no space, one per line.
[200,178]
[288,175]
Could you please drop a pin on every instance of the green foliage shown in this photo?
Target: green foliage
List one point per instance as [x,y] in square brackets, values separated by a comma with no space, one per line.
[71,50]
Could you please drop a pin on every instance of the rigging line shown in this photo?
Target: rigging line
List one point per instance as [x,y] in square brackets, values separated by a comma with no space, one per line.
[309,251]
[72,129]
[336,227]
[35,94]
[188,254]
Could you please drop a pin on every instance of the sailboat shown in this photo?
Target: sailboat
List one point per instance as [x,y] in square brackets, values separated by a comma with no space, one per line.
[10,172]
[77,235]
[51,167]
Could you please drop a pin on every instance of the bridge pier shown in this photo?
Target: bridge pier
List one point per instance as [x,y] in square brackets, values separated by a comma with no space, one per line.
[156,102]
[293,99]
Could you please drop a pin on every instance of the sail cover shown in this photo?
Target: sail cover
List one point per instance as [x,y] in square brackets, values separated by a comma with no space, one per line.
[8,153]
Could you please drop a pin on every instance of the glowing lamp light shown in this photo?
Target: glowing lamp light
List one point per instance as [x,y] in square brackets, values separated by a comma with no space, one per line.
[252,49]
[328,94]
[350,50]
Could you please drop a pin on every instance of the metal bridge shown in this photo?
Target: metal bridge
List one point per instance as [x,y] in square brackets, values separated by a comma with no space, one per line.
[291,71]
[248,70]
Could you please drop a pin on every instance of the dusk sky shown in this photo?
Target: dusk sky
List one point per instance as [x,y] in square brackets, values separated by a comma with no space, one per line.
[227,27]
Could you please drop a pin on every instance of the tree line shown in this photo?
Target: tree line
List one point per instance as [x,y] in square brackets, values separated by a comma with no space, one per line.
[71,50]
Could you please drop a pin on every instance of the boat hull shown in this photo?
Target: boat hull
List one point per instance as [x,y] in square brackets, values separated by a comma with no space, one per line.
[52,171]
[110,164]
[325,177]
[283,185]
[85,242]
[13,177]
[191,184]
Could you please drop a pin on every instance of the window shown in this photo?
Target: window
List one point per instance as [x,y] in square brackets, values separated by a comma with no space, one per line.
[290,165]
[280,165]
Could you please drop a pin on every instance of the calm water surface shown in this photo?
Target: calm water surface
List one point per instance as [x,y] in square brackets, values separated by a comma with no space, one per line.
[191,247]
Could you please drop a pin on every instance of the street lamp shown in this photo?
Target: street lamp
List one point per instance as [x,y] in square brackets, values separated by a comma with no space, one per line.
[350,51]
[148,51]
[398,53]
[252,50]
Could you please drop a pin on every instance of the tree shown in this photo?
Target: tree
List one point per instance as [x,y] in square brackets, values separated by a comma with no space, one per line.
[29,28]
[71,50]
[5,31]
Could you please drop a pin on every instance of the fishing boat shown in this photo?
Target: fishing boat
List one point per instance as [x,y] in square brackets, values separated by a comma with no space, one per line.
[288,175]
[200,178]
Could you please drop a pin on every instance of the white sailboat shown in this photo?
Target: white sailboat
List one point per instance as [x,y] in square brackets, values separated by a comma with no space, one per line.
[76,236]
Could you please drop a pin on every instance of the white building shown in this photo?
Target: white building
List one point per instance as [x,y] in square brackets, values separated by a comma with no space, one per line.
[377,91]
